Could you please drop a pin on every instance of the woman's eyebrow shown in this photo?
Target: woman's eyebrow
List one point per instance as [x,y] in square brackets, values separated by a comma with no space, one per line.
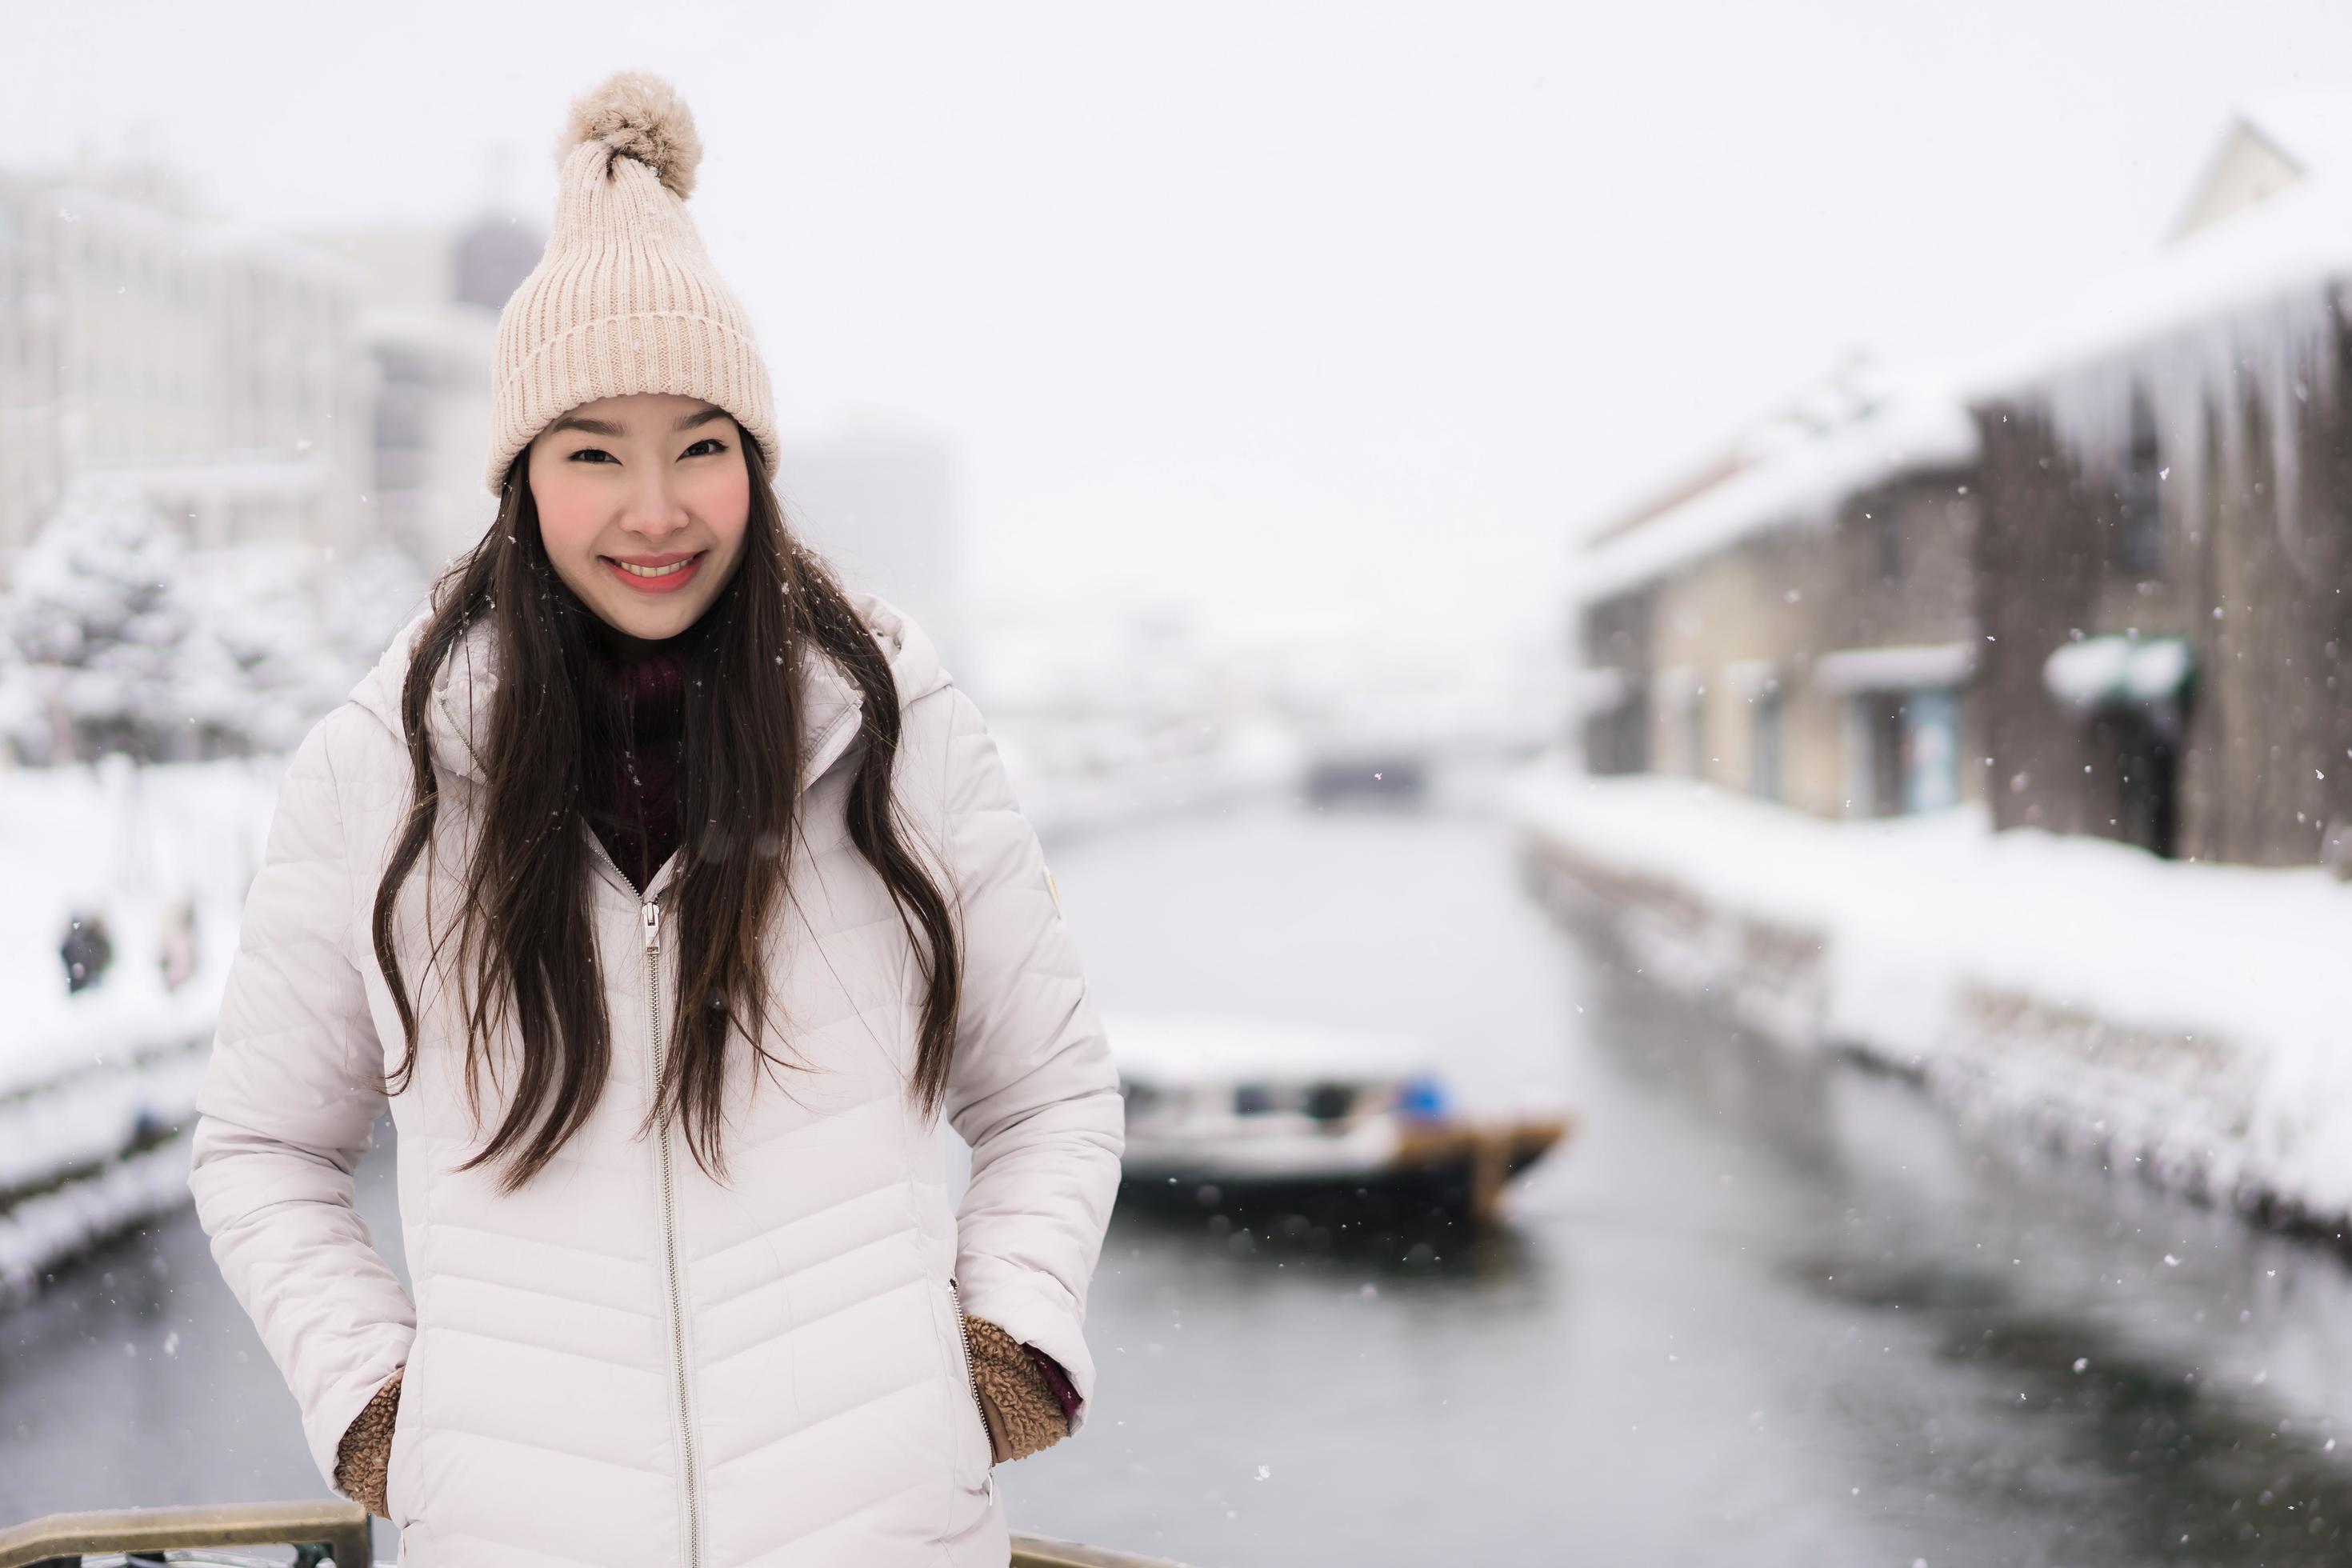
[593,427]
[612,431]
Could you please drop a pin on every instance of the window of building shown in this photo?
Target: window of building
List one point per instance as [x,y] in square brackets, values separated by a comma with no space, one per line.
[1931,751]
[1695,731]
[1886,535]
[1903,752]
[1767,744]
[2139,544]
[1617,738]
[1877,739]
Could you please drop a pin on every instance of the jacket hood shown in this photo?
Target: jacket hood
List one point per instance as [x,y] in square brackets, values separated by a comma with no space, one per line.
[458,723]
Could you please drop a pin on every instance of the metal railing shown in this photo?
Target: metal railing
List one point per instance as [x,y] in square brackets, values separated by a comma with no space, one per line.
[319,1532]
[329,1531]
[1036,1552]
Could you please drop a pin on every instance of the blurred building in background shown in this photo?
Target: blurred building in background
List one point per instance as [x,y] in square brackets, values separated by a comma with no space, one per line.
[430,300]
[226,458]
[2091,579]
[2168,489]
[328,392]
[1800,623]
[216,365]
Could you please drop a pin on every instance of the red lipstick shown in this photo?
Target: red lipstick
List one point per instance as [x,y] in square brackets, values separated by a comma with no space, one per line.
[667,575]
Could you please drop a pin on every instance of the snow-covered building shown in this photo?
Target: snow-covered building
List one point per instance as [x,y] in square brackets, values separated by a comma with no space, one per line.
[2092,577]
[1796,621]
[216,366]
[430,299]
[2167,524]
[2139,602]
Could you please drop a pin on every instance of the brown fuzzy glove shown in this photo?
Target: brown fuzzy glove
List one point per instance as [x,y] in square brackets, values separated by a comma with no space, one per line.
[1018,1404]
[364,1452]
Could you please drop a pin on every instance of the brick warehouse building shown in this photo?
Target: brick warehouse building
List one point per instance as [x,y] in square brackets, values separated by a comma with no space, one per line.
[2116,603]
[2167,535]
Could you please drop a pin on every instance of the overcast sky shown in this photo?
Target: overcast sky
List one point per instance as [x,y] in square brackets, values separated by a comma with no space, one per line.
[1260,305]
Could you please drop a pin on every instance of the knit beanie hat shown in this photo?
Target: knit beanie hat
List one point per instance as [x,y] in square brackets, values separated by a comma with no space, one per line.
[625,299]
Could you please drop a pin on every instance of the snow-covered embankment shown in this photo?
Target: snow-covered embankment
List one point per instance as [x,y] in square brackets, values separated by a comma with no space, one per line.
[2185,1020]
[97,1087]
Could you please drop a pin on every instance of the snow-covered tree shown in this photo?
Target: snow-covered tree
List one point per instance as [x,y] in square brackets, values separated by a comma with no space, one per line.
[282,633]
[114,638]
[97,628]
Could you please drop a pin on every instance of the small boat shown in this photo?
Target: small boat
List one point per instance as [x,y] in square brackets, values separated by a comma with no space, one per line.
[320,1531]
[1228,1115]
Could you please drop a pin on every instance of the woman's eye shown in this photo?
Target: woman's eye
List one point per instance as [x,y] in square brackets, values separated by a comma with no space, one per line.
[593,454]
[705,447]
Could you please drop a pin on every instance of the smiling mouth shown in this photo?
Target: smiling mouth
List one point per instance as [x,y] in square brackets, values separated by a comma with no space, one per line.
[658,575]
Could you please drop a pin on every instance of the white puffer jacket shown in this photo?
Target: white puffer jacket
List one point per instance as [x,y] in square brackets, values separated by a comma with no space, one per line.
[626,1364]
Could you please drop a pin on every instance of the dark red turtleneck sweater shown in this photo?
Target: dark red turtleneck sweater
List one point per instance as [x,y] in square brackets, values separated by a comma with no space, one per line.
[635,784]
[637,801]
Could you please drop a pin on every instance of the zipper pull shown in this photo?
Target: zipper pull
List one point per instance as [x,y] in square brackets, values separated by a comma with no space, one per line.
[651,911]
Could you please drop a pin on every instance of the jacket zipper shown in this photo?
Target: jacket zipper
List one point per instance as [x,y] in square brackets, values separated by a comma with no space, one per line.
[650,911]
[971,1375]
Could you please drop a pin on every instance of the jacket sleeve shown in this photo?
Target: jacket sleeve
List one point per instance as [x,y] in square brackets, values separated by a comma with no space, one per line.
[283,1117]
[1033,1088]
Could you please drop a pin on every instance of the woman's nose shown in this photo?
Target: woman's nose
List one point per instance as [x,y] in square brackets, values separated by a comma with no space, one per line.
[653,509]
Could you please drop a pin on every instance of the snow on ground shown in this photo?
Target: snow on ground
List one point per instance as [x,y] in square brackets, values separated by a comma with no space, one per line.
[2188,1017]
[87,1119]
[127,843]
[86,1076]
[38,1233]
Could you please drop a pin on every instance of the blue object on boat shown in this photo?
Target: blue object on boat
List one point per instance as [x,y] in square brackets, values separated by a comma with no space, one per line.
[1423,1098]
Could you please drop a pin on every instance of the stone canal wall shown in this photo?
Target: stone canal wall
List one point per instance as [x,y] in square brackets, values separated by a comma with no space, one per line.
[2179,1021]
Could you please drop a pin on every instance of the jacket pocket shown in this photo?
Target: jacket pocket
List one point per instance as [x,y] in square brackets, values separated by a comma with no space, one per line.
[973,1408]
[400,1456]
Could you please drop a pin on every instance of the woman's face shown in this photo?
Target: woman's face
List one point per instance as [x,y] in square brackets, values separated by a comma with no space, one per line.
[642,502]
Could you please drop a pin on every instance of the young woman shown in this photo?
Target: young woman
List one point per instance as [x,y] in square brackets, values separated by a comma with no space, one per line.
[668,894]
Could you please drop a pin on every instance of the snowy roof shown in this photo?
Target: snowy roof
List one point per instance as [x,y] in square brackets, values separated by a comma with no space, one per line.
[2261,249]
[2243,285]
[1794,473]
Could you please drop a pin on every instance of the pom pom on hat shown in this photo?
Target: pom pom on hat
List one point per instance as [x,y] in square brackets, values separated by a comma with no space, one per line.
[640,116]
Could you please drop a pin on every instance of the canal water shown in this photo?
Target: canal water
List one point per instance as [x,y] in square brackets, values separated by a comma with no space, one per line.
[1762,1309]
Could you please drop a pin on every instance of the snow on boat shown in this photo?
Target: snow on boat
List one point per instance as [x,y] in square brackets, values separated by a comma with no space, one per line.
[1224,1112]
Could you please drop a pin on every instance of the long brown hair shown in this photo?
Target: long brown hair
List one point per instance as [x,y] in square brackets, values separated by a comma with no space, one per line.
[524,934]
